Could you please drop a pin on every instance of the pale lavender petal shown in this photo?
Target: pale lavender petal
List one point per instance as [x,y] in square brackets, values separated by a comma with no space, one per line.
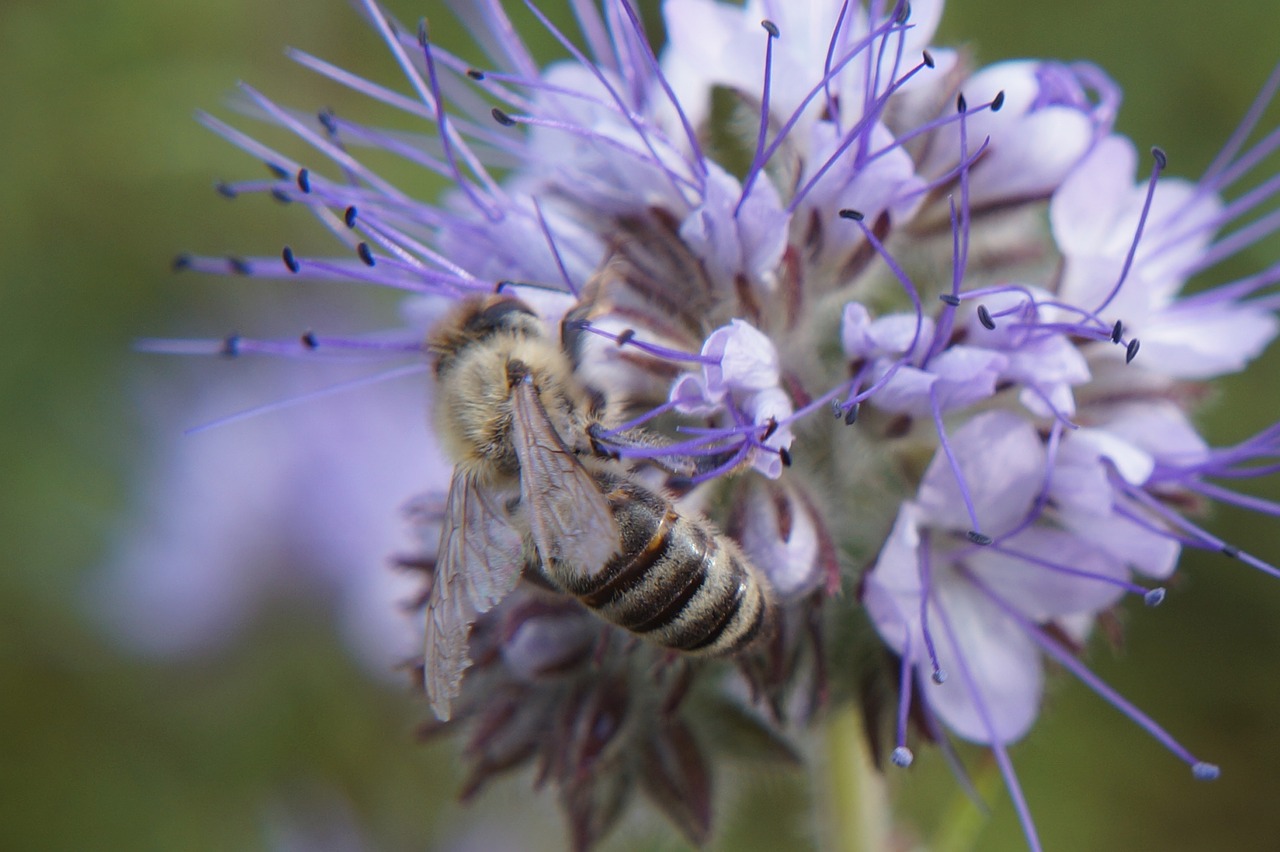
[1207,341]
[789,560]
[1003,661]
[1040,592]
[732,242]
[892,589]
[1002,461]
[745,359]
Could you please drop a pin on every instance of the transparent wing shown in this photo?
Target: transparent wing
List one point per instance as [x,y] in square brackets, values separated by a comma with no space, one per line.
[568,515]
[477,565]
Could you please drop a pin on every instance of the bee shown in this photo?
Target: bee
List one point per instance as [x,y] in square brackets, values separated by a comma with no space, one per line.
[531,490]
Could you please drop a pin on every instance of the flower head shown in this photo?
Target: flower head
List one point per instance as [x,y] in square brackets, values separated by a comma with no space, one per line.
[956,263]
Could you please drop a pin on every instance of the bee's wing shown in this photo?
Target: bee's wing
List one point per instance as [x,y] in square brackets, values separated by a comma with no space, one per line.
[568,515]
[477,565]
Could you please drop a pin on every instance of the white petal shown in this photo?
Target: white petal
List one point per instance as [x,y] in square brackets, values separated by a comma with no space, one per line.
[1041,592]
[1002,460]
[1158,428]
[891,589]
[791,563]
[1032,161]
[746,359]
[1084,210]
[1086,445]
[966,374]
[998,697]
[1204,342]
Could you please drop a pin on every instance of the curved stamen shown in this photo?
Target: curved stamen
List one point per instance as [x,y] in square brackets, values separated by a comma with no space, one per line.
[646,137]
[309,346]
[902,755]
[555,250]
[924,567]
[863,125]
[1068,570]
[1159,163]
[833,109]
[1067,660]
[1200,537]
[321,143]
[363,381]
[996,745]
[771,33]
[628,337]
[695,147]
[821,86]
[954,463]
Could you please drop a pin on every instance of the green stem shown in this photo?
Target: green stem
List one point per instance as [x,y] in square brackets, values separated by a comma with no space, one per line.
[857,804]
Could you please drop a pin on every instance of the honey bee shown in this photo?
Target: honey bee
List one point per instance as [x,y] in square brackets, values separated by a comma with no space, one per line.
[532,490]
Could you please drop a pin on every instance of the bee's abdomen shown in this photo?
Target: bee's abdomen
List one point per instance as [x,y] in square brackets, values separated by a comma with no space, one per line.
[675,582]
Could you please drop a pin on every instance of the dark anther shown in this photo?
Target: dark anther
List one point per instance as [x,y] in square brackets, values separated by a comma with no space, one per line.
[239,266]
[328,121]
[497,288]
[304,180]
[785,455]
[984,317]
[770,429]
[961,104]
[1131,350]
[1117,331]
[901,13]
[290,262]
[625,336]
[279,171]
[423,33]
[979,538]
[855,215]
[474,74]
[349,216]
[851,416]
[366,254]
[953,301]
[225,189]
[502,118]
[770,27]
[180,262]
[280,195]
[230,346]
[1160,157]
[998,101]
[1231,551]
[309,340]
[928,59]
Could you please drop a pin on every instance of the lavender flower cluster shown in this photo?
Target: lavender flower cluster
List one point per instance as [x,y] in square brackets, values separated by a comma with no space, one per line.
[921,327]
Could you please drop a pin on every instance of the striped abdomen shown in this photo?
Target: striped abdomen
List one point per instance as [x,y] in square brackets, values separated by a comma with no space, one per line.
[675,581]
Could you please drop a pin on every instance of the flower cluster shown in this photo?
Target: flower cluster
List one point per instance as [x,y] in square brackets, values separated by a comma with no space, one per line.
[918,330]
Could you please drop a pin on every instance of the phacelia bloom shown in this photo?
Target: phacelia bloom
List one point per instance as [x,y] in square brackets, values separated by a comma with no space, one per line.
[269,510]
[900,327]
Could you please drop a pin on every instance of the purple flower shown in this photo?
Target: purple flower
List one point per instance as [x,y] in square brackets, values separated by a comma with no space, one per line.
[298,509]
[1094,215]
[865,237]
[740,379]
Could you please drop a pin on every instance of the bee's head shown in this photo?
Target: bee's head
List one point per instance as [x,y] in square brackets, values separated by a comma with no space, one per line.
[501,315]
[477,320]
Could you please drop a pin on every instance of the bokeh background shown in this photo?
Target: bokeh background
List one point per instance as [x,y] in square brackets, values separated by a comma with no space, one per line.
[274,734]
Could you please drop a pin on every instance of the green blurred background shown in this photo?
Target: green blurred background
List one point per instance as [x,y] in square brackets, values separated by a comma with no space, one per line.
[279,740]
